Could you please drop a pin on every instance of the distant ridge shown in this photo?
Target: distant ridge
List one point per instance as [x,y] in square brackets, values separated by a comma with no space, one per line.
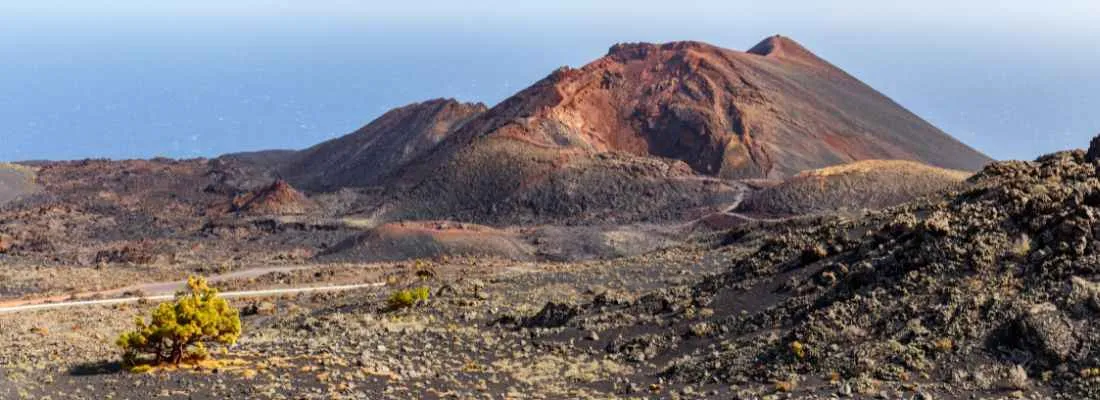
[363,157]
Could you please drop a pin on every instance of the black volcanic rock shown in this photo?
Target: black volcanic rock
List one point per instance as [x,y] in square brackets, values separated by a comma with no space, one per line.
[1093,153]
[996,279]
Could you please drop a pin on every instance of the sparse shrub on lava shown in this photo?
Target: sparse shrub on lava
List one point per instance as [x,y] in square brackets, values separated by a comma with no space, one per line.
[179,331]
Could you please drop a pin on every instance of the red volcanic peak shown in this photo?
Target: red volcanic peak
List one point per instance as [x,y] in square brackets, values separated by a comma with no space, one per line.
[277,199]
[779,46]
[661,109]
[770,112]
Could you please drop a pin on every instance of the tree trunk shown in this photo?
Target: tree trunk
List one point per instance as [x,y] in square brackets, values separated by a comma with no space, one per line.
[177,355]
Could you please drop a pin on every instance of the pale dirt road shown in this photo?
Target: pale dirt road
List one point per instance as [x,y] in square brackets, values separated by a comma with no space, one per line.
[162,291]
[34,305]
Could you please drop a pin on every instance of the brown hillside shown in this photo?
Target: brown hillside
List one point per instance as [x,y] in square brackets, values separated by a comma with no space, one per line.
[375,150]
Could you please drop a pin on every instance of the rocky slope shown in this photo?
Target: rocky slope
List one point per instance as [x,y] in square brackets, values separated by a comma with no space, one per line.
[988,290]
[509,183]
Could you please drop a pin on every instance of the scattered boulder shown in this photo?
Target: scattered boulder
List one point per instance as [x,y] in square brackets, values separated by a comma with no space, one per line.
[994,273]
[552,315]
[640,348]
[1046,333]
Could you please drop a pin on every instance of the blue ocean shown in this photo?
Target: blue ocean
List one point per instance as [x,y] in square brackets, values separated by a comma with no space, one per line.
[201,86]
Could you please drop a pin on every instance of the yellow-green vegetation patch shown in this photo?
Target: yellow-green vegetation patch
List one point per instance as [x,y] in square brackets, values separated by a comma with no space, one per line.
[865,166]
[408,297]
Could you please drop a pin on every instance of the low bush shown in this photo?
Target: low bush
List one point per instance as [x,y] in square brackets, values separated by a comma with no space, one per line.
[181,329]
[408,297]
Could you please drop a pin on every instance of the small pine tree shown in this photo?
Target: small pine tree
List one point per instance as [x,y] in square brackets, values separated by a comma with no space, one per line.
[182,328]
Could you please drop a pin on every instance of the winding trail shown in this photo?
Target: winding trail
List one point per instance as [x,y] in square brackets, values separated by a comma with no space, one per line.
[730,210]
[249,293]
[166,291]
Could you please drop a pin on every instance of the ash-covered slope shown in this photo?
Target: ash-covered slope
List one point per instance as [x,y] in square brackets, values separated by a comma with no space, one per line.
[375,150]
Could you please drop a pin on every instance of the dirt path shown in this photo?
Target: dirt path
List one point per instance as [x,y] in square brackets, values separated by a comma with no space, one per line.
[730,210]
[727,209]
[151,291]
[6,309]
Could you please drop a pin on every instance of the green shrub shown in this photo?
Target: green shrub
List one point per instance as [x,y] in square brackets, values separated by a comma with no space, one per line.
[408,297]
[182,328]
[798,349]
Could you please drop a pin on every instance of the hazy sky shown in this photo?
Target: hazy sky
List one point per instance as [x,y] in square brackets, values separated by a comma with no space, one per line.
[199,78]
